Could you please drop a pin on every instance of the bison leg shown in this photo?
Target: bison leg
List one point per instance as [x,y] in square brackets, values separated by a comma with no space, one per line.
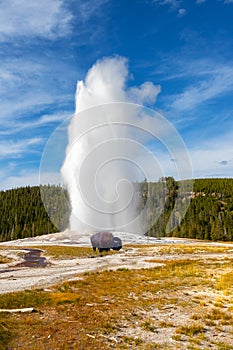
[94,248]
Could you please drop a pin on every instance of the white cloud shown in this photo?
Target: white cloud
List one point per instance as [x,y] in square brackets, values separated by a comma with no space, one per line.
[171,3]
[215,82]
[17,149]
[27,87]
[88,8]
[182,12]
[44,120]
[48,19]
[51,118]
[23,18]
[228,1]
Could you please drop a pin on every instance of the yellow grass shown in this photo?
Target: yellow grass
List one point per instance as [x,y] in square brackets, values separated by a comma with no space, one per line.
[225,281]
[70,252]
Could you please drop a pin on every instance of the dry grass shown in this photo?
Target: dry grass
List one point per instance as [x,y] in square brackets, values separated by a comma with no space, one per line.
[4,259]
[225,281]
[191,329]
[69,252]
[201,248]
[184,304]
[4,247]
[59,252]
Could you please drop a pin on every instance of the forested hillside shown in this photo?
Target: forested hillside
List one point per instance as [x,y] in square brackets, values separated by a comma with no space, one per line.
[23,213]
[209,215]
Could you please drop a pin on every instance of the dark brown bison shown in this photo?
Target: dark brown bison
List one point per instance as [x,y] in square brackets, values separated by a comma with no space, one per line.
[104,241]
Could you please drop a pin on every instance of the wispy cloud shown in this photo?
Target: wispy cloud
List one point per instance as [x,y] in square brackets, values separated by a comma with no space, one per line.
[202,80]
[28,87]
[17,149]
[15,127]
[23,18]
[89,8]
[200,1]
[210,85]
[172,3]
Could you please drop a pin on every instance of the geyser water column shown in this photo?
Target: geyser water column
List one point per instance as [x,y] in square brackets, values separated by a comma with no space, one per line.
[101,166]
[113,143]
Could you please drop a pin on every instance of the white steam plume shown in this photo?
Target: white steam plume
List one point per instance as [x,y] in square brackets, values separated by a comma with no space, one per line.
[99,164]
[107,149]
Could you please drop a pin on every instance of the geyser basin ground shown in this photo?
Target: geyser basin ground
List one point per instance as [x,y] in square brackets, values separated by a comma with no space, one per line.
[182,299]
[74,238]
[69,255]
[64,267]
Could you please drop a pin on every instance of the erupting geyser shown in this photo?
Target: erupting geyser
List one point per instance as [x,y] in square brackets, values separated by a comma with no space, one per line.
[101,158]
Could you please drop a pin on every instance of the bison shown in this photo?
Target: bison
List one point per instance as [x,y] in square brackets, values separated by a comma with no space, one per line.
[104,241]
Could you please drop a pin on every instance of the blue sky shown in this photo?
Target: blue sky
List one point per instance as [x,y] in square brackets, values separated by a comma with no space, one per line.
[185,47]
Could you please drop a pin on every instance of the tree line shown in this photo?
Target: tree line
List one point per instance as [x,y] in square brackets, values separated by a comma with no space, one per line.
[209,212]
